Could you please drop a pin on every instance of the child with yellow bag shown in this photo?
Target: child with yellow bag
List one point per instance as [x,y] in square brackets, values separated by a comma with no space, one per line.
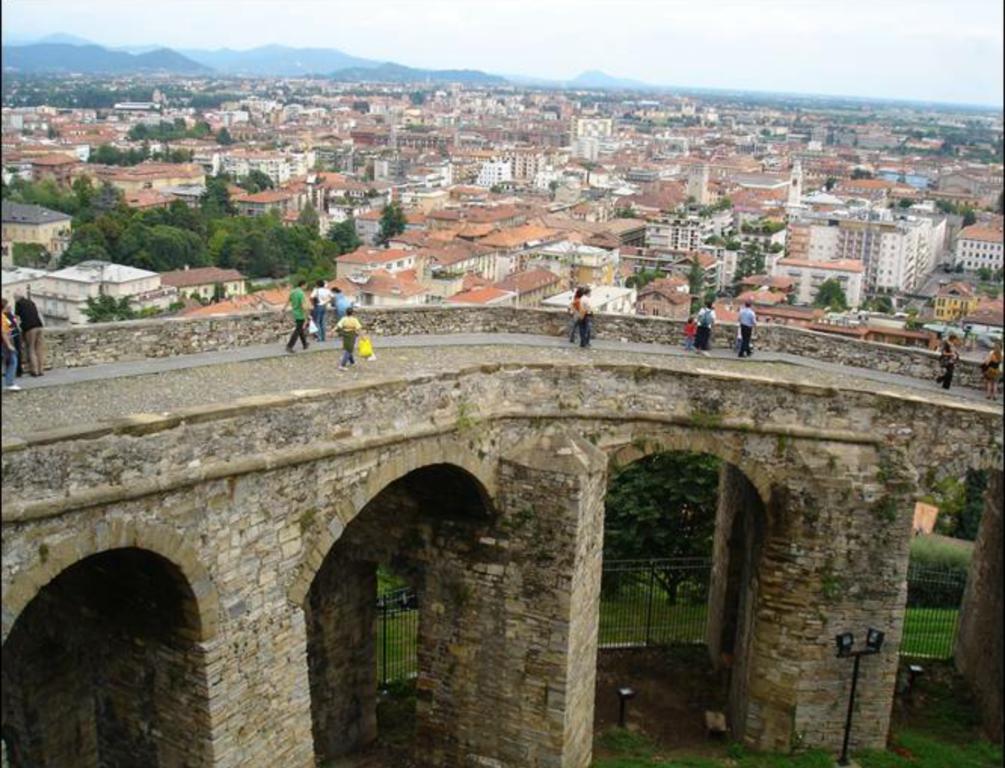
[348,328]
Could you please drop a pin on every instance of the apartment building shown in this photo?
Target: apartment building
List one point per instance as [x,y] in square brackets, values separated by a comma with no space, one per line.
[595,127]
[808,276]
[62,295]
[494,172]
[896,254]
[202,282]
[35,224]
[979,247]
[678,233]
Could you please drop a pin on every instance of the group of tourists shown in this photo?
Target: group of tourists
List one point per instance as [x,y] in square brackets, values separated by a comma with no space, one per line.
[22,340]
[312,321]
[698,330]
[991,367]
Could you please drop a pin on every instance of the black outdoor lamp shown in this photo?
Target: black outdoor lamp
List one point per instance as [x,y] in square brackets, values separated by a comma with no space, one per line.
[845,647]
[914,671]
[624,694]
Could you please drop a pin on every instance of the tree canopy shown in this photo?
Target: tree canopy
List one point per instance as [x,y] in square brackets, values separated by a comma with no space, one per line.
[392,222]
[830,295]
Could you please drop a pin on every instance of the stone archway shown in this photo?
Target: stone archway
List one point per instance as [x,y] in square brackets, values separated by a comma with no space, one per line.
[429,523]
[105,666]
[55,556]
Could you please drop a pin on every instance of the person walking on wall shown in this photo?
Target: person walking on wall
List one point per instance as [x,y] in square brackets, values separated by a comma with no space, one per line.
[574,314]
[9,351]
[348,328]
[948,357]
[340,303]
[320,297]
[690,331]
[992,368]
[15,333]
[585,319]
[706,320]
[31,331]
[298,305]
[747,322]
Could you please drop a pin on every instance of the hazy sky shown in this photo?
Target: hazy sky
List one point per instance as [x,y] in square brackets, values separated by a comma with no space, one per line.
[940,50]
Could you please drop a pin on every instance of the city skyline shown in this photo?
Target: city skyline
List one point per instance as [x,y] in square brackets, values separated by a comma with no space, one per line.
[867,50]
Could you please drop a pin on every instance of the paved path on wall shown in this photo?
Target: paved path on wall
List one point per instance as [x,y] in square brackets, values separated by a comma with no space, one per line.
[75,396]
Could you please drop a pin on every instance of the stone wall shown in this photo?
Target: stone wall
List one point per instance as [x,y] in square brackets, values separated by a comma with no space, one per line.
[248,512]
[978,651]
[142,339]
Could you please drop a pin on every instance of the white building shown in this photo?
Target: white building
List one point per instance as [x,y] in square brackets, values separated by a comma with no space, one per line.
[809,275]
[697,184]
[586,148]
[597,127]
[605,299]
[678,234]
[494,172]
[979,247]
[62,295]
[20,280]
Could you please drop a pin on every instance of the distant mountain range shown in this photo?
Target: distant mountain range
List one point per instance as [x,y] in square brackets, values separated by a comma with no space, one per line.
[93,59]
[68,53]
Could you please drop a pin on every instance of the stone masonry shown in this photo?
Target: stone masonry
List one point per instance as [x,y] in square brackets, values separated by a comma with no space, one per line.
[139,339]
[234,504]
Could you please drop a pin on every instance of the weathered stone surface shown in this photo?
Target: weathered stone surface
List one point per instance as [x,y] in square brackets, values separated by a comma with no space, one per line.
[248,501]
[139,339]
[978,651]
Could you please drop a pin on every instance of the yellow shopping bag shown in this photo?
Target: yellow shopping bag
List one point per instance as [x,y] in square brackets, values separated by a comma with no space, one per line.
[365,347]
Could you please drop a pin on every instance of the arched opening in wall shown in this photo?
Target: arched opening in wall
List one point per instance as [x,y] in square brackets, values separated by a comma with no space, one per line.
[682,542]
[104,667]
[393,600]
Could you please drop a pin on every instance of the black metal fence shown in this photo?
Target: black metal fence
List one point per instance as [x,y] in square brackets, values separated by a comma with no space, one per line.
[654,602]
[397,635]
[934,597]
[665,602]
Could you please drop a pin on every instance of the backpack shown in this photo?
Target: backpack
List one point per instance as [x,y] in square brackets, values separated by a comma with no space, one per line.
[705,318]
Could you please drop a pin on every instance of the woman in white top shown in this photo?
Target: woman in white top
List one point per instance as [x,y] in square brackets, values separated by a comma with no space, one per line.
[320,297]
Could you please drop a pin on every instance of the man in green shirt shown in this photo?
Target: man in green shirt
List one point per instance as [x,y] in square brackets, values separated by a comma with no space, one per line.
[298,304]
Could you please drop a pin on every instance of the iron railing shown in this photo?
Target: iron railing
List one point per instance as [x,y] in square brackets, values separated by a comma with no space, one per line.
[649,603]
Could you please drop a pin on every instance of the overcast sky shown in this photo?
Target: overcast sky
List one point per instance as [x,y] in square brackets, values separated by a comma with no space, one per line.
[939,50]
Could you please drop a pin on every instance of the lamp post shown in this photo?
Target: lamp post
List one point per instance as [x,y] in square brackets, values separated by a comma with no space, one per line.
[845,648]
[624,694]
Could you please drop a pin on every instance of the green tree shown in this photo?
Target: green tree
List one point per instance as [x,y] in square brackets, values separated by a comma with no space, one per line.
[662,506]
[256,181]
[750,262]
[882,304]
[861,173]
[642,278]
[392,222]
[829,183]
[105,309]
[905,202]
[830,295]
[215,201]
[969,216]
[696,283]
[309,219]
[343,235]
[223,137]
[32,255]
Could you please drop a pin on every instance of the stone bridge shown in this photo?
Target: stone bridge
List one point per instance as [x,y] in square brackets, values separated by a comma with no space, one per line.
[195,587]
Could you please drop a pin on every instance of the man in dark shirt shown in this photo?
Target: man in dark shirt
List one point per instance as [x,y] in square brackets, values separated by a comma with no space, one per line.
[31,330]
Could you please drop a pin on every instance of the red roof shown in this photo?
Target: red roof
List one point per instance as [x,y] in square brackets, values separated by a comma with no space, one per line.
[185,278]
[528,280]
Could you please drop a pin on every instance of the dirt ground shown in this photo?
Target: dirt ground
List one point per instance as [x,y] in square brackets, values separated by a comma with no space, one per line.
[673,689]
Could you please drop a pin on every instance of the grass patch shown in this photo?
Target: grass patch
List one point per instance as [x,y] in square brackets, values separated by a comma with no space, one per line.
[941,551]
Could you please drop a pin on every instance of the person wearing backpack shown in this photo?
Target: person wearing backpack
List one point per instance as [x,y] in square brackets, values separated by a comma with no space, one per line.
[706,319]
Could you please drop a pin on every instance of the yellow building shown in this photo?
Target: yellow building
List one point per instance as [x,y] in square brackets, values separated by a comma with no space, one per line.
[35,224]
[954,301]
[201,282]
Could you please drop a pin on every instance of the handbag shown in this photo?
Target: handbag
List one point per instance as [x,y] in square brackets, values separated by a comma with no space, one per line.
[312,327]
[365,347]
